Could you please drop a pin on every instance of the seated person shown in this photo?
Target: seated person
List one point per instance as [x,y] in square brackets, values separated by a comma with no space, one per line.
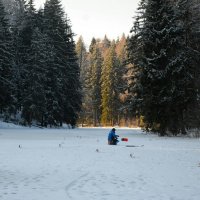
[112,137]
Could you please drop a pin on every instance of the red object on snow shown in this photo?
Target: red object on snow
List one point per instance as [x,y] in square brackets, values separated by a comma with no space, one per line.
[124,139]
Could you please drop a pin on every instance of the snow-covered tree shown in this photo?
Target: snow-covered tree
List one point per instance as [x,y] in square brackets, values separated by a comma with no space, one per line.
[41,56]
[189,18]
[65,83]
[162,83]
[12,8]
[23,35]
[6,58]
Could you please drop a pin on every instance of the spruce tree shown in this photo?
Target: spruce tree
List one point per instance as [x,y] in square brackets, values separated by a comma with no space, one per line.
[82,58]
[26,34]
[40,57]
[189,17]
[91,88]
[121,84]
[11,9]
[65,97]
[83,61]
[135,62]
[95,69]
[6,58]
[22,35]
[163,80]
[105,45]
[72,85]
[87,106]
[108,87]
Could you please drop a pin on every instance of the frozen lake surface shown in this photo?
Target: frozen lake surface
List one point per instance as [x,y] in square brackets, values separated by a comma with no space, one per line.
[64,164]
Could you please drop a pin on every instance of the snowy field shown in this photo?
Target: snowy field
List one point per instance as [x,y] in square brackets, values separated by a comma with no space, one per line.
[61,164]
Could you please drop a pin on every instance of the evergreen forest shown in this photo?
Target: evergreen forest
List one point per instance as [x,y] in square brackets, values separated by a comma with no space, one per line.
[39,73]
[150,78]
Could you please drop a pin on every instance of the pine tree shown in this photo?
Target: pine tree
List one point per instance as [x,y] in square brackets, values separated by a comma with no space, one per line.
[189,18]
[95,90]
[40,57]
[121,84]
[65,85]
[105,45]
[83,60]
[151,64]
[91,88]
[22,34]
[92,45]
[108,87]
[135,62]
[6,57]
[29,87]
[82,57]
[11,9]
[106,42]
[72,86]
[163,80]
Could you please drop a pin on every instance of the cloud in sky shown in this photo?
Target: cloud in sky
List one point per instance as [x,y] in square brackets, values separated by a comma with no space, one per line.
[95,18]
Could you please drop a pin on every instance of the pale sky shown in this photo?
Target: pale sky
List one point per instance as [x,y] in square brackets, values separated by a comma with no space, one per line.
[97,18]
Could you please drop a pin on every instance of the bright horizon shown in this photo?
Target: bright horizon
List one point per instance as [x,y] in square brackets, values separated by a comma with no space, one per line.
[94,18]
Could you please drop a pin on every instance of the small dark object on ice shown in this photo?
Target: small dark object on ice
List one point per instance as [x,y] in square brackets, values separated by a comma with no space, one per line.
[134,145]
[97,150]
[20,146]
[60,145]
[131,155]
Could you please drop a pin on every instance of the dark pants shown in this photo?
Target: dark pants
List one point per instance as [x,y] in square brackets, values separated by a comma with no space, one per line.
[114,141]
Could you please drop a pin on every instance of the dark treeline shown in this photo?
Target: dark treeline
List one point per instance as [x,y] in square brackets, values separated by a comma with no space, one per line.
[151,78]
[39,74]
[164,51]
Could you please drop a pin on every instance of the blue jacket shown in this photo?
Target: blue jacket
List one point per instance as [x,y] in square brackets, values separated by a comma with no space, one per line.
[111,135]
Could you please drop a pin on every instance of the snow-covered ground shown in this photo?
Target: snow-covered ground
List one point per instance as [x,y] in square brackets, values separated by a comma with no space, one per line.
[65,164]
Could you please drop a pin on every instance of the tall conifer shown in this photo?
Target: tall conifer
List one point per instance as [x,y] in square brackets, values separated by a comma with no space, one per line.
[6,58]
[83,61]
[96,67]
[64,97]
[162,81]
[108,87]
